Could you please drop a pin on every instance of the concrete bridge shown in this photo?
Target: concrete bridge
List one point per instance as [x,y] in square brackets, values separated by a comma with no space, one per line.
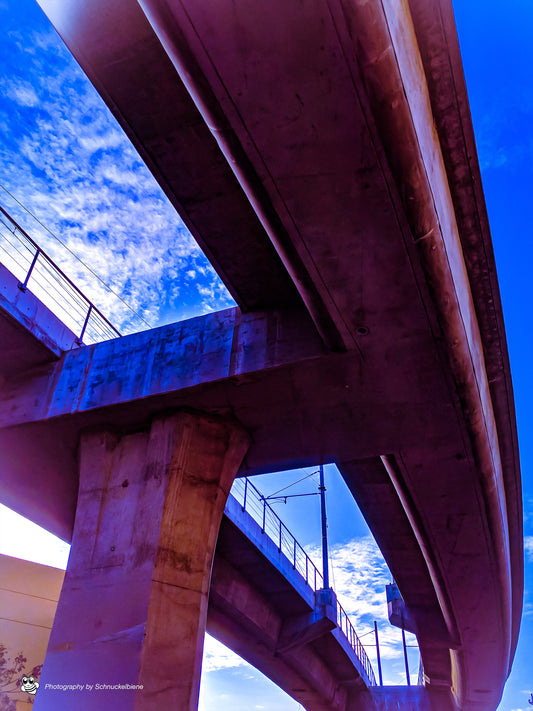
[322,154]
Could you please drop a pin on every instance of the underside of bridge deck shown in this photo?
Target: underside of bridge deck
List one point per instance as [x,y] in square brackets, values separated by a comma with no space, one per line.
[323,156]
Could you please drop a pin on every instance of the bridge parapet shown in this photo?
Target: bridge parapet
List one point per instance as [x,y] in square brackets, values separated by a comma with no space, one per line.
[255,504]
[26,259]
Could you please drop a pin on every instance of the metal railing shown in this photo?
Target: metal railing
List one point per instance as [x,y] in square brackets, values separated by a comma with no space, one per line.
[420,681]
[27,261]
[256,505]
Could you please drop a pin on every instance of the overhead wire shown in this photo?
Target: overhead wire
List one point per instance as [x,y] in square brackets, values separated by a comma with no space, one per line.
[112,291]
[61,306]
[52,284]
[307,476]
[17,250]
[63,284]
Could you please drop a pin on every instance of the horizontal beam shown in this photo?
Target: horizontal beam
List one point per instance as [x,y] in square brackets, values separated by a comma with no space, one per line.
[219,346]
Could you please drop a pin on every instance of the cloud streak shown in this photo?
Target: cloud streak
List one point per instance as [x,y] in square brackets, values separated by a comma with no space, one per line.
[359,575]
[65,158]
[528,547]
[217,656]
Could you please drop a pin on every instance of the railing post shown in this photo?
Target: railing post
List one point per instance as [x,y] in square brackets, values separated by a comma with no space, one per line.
[378,654]
[294,558]
[245,492]
[264,514]
[280,525]
[23,286]
[325,567]
[80,338]
[306,569]
[408,677]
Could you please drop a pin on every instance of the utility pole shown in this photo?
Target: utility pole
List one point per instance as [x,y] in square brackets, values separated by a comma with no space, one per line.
[325,567]
[322,493]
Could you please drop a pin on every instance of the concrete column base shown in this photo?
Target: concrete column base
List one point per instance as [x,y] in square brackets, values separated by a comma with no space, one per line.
[133,607]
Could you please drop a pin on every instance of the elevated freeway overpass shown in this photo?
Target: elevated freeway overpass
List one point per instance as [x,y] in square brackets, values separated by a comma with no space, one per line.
[323,156]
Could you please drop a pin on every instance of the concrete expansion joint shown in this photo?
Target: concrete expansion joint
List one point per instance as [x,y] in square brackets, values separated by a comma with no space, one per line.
[194,414]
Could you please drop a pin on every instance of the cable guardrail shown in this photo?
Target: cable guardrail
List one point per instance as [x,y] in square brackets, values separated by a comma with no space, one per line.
[26,260]
[255,504]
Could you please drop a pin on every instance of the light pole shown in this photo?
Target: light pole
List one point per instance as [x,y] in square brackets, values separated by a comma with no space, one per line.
[325,564]
[322,493]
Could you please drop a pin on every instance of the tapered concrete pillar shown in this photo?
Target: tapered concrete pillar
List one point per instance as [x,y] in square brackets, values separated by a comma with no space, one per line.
[133,606]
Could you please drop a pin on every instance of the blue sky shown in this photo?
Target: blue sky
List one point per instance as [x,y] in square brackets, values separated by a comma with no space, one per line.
[497,48]
[66,159]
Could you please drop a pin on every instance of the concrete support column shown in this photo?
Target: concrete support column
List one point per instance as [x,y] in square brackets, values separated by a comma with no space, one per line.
[133,607]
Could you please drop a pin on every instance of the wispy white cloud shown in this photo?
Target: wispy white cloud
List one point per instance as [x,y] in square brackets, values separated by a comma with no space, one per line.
[217,656]
[501,127]
[359,575]
[528,547]
[68,161]
[23,94]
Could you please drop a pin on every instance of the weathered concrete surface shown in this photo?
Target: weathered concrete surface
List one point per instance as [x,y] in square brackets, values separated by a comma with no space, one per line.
[341,131]
[30,334]
[258,605]
[32,340]
[161,361]
[439,49]
[367,408]
[147,520]
[39,477]
[243,617]
[193,173]
[393,698]
[302,674]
